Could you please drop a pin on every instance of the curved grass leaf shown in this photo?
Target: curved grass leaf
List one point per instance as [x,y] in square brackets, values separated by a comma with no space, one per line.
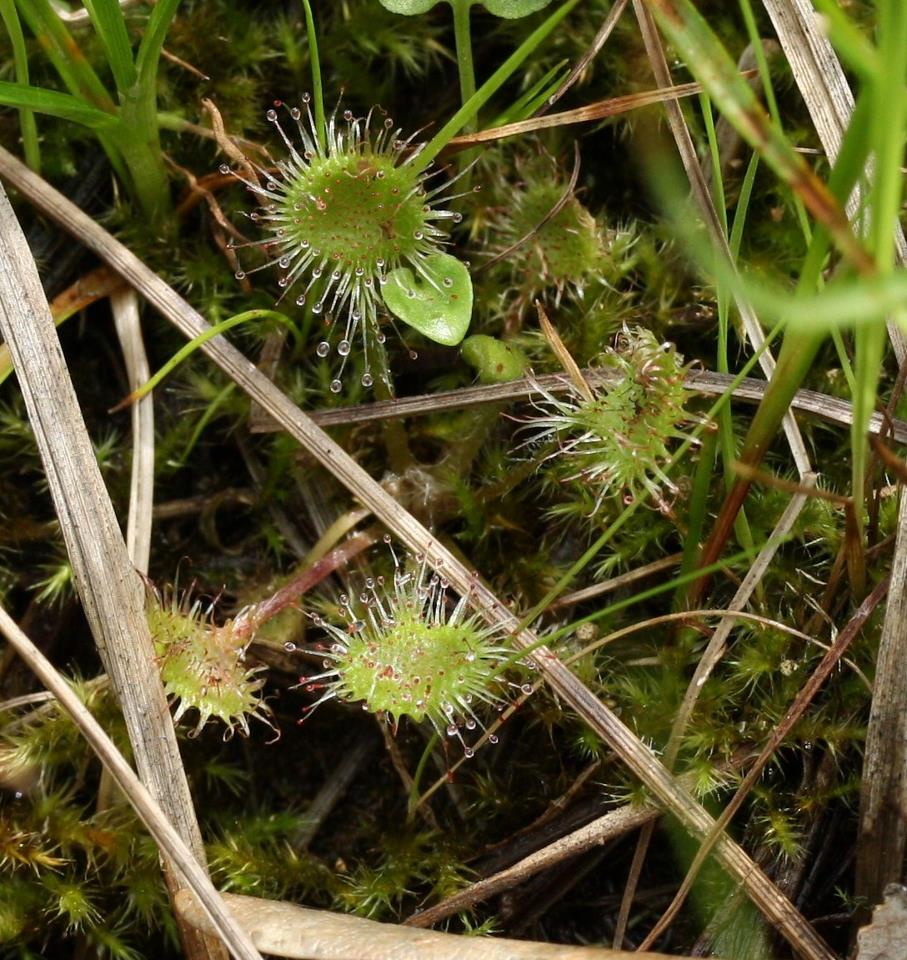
[478,100]
[713,67]
[188,349]
[110,25]
[510,9]
[55,104]
[20,60]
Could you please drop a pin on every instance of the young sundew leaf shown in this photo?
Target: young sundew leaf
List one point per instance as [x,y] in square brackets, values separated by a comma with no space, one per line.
[494,360]
[512,9]
[436,301]
[509,9]
[409,8]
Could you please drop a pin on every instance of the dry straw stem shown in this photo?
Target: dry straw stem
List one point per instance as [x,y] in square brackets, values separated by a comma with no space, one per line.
[883,829]
[716,646]
[796,710]
[703,199]
[707,662]
[124,304]
[820,405]
[109,587]
[883,799]
[609,826]
[170,842]
[600,110]
[287,930]
[635,754]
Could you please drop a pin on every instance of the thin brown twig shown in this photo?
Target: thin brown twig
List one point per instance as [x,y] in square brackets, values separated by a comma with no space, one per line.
[749,390]
[613,824]
[601,110]
[600,39]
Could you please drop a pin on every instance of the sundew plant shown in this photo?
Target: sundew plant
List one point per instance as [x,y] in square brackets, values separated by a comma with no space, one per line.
[511,540]
[403,651]
[348,210]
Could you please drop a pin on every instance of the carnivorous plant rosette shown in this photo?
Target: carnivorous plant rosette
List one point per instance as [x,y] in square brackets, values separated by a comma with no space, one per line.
[617,438]
[355,224]
[203,665]
[405,651]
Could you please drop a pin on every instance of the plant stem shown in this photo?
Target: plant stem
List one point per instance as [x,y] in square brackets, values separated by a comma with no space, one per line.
[315,61]
[398,453]
[463,39]
[20,58]
[469,110]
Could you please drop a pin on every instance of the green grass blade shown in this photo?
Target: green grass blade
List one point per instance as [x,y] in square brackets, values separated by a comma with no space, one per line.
[526,105]
[315,65]
[475,103]
[110,25]
[27,123]
[889,125]
[139,136]
[186,351]
[771,101]
[710,63]
[800,346]
[65,54]
[149,53]
[55,104]
[852,46]
[725,422]
[887,133]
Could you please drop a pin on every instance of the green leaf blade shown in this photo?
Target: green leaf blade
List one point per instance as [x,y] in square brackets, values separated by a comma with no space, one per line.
[55,104]
[110,25]
[439,309]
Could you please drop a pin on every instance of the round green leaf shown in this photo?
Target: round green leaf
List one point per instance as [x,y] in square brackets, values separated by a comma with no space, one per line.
[440,310]
[494,360]
[408,8]
[512,9]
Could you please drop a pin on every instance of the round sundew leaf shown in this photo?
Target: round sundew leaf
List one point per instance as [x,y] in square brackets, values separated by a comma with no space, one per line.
[441,310]
[509,9]
[408,8]
[494,360]
[512,9]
